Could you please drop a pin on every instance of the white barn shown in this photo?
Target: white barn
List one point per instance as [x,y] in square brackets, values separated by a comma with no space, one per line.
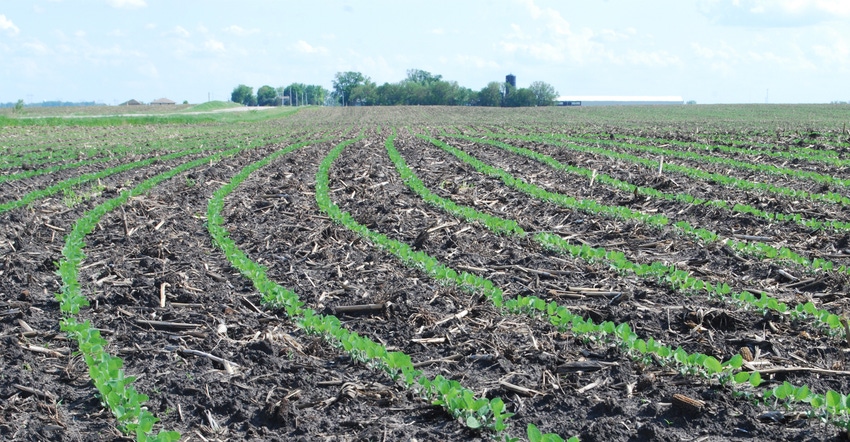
[617,100]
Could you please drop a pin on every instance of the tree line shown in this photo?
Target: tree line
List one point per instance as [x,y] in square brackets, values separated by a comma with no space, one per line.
[418,88]
[296,94]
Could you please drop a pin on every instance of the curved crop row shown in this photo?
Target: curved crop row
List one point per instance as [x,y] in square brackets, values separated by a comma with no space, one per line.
[670,274]
[116,389]
[738,164]
[828,197]
[449,394]
[113,154]
[677,279]
[559,316]
[752,248]
[827,405]
[401,250]
[823,156]
[811,223]
[76,181]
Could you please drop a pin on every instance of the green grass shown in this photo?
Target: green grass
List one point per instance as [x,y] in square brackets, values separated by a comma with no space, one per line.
[213,105]
[176,118]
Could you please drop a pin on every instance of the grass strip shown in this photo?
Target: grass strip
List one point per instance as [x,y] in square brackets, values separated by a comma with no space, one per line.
[171,119]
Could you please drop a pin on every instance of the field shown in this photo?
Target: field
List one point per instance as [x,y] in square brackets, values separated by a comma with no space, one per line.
[426,273]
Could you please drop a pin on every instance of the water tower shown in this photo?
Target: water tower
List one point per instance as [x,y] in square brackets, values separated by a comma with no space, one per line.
[511,80]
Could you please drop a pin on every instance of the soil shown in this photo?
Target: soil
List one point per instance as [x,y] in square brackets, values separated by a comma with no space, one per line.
[283,384]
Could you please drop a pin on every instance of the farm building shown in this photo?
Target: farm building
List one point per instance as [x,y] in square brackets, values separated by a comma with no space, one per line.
[162,102]
[131,102]
[617,100]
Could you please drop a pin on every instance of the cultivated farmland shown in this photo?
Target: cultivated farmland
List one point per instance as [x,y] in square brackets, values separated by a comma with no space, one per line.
[657,273]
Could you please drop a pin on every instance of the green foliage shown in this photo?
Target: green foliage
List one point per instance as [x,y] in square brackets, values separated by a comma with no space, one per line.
[116,390]
[544,93]
[490,95]
[460,402]
[243,94]
[267,96]
[520,98]
[213,105]
[344,84]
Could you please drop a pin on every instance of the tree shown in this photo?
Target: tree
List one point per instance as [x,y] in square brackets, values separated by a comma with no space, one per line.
[266,96]
[243,94]
[315,94]
[345,82]
[544,93]
[19,106]
[422,77]
[363,95]
[523,97]
[491,95]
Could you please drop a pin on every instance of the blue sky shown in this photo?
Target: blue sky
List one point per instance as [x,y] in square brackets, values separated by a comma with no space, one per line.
[710,51]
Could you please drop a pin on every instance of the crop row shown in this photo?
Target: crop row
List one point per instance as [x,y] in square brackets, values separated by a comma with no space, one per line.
[829,197]
[86,147]
[829,157]
[115,388]
[737,164]
[557,315]
[831,404]
[449,394]
[685,198]
[752,248]
[676,278]
[88,177]
[112,154]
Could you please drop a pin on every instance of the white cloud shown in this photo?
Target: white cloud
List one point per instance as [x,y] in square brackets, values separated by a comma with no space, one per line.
[117,33]
[773,13]
[8,26]
[653,58]
[240,31]
[127,4]
[438,31]
[148,70]
[178,31]
[472,61]
[214,45]
[306,48]
[727,59]
[36,47]
[554,40]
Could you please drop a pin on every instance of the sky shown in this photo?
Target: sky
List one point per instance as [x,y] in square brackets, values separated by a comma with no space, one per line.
[708,51]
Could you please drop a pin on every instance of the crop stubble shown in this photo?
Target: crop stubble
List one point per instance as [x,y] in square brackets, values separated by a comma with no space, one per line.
[290,385]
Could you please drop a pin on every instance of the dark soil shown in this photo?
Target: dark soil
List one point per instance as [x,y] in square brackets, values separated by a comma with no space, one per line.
[282,384]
